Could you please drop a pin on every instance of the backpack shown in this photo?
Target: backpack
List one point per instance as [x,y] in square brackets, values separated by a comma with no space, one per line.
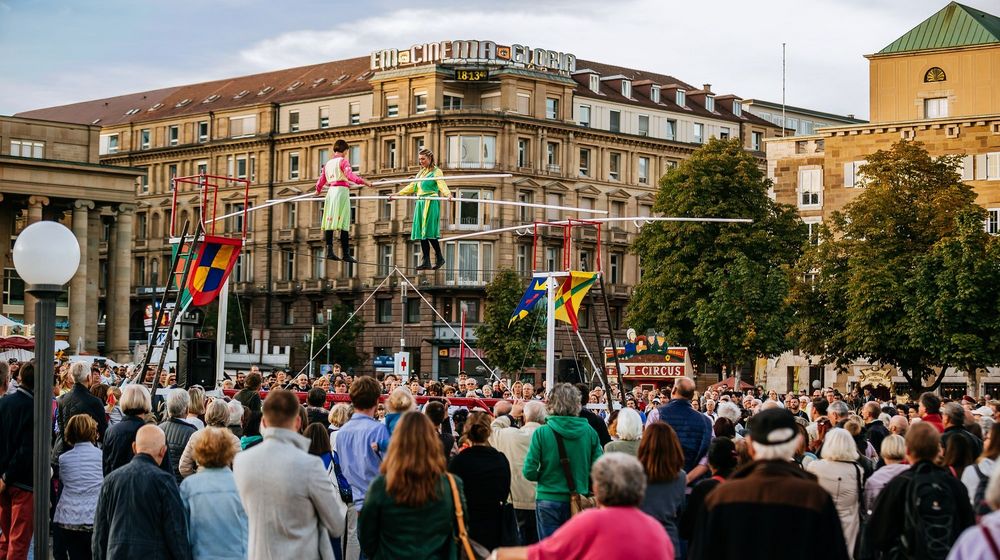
[928,515]
[979,505]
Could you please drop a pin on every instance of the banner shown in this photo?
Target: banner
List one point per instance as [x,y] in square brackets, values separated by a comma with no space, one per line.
[535,292]
[570,296]
[215,260]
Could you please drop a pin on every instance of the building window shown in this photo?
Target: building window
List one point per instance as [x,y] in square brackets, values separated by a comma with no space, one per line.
[553,199]
[523,103]
[523,150]
[472,152]
[472,215]
[643,170]
[551,108]
[350,269]
[935,75]
[202,131]
[110,142]
[385,208]
[144,139]
[319,263]
[553,258]
[293,166]
[810,188]
[293,121]
[527,213]
[617,209]
[737,107]
[680,98]
[615,268]
[584,162]
[552,156]
[595,82]
[392,106]
[671,130]
[470,263]
[420,103]
[452,102]
[140,225]
[243,126]
[144,182]
[383,308]
[615,121]
[524,264]
[291,216]
[987,166]
[643,125]
[627,89]
[490,101]
[29,149]
[413,308]
[654,94]
[324,117]
[173,135]
[993,221]
[699,133]
[586,259]
[584,116]
[234,224]
[852,174]
[202,168]
[390,154]
[355,158]
[384,259]
[355,112]
[935,108]
[471,309]
[614,166]
[288,312]
[241,168]
[288,268]
[724,133]
[757,141]
[710,103]
[812,231]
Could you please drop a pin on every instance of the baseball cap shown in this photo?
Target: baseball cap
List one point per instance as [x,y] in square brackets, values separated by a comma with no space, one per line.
[774,426]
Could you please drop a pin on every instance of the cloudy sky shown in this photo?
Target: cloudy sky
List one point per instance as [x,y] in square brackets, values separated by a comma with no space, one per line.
[63,52]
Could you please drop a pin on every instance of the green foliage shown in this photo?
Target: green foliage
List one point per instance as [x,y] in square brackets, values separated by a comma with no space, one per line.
[905,274]
[507,348]
[718,288]
[237,329]
[343,348]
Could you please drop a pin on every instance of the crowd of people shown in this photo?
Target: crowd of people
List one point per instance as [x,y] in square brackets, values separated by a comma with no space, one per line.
[255,473]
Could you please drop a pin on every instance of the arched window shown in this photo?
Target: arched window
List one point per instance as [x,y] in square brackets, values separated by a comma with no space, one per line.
[935,74]
[155,225]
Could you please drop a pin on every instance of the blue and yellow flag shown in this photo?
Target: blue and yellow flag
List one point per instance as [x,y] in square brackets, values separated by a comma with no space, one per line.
[570,296]
[536,291]
[216,257]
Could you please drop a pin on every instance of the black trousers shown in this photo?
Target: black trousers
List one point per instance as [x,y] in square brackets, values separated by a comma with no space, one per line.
[526,522]
[70,545]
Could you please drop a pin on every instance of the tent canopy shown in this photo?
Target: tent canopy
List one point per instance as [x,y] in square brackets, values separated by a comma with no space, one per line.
[728,384]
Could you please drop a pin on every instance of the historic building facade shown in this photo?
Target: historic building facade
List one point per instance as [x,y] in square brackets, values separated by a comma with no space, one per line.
[570,132]
[52,171]
[938,84]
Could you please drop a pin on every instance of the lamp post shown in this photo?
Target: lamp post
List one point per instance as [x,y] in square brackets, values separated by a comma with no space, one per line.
[46,256]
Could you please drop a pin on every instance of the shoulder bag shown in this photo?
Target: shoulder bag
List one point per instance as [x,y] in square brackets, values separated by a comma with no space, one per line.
[468,549]
[577,502]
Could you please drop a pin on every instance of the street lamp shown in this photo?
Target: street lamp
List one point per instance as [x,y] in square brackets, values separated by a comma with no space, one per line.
[46,256]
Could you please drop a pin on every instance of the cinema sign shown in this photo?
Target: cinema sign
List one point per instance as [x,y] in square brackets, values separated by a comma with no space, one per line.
[473,52]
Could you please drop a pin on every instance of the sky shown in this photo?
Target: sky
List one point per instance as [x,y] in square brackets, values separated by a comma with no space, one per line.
[70,51]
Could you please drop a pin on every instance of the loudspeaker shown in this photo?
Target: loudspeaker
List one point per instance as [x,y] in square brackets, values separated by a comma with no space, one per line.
[567,372]
[196,363]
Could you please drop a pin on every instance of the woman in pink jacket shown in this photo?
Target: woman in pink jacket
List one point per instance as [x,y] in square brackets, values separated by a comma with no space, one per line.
[338,175]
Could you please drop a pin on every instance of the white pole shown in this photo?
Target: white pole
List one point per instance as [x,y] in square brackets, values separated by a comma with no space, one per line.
[312,340]
[550,335]
[783,90]
[220,334]
[443,198]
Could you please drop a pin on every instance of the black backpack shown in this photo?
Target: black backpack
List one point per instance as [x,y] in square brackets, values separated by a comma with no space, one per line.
[979,505]
[929,515]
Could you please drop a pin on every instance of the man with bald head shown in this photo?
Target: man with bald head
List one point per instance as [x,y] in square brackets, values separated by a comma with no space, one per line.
[139,512]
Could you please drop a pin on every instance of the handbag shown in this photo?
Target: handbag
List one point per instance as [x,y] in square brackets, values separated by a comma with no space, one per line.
[468,549]
[577,502]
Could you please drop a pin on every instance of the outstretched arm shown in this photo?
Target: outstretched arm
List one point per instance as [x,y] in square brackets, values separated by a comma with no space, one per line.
[351,175]
[321,182]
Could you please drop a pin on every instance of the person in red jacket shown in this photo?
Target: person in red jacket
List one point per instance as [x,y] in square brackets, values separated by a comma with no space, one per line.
[930,411]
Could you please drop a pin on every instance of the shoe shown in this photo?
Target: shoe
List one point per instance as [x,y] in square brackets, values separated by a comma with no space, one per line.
[424,265]
[440,263]
[348,258]
[330,255]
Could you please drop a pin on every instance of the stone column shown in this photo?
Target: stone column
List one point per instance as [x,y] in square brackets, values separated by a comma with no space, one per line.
[6,229]
[93,281]
[78,285]
[35,206]
[121,278]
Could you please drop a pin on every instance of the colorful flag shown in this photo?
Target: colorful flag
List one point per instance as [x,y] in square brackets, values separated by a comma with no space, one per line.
[535,292]
[570,295]
[182,262]
[216,257]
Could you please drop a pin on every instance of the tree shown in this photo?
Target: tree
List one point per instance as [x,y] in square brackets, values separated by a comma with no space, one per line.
[894,280]
[236,316]
[717,288]
[507,347]
[343,348]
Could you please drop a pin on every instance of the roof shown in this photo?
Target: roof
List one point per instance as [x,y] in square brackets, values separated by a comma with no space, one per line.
[792,109]
[955,25]
[280,86]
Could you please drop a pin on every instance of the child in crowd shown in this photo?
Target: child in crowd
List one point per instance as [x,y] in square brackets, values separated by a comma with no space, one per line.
[399,402]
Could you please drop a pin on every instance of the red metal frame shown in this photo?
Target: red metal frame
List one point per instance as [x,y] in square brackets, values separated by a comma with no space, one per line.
[208,225]
[332,398]
[567,241]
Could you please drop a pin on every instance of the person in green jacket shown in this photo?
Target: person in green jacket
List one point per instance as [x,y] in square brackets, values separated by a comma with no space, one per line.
[542,464]
[409,510]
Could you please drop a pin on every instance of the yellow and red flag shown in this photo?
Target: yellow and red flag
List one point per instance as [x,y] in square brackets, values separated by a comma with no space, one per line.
[216,257]
[570,296]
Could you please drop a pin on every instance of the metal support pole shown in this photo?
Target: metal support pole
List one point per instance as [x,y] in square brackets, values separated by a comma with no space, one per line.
[45,326]
[550,335]
[312,340]
[220,333]
[614,347]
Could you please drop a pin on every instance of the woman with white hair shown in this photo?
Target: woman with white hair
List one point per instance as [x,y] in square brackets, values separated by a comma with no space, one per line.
[893,452]
[235,423]
[216,416]
[177,430]
[629,431]
[840,475]
[135,405]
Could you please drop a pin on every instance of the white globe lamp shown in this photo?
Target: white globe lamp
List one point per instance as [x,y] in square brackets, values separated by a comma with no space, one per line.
[46,254]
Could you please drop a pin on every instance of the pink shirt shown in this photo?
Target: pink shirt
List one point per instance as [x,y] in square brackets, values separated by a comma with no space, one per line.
[623,533]
[344,178]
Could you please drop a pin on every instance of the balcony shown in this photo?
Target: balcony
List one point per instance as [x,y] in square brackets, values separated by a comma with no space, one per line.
[618,235]
[314,234]
[313,285]
[386,227]
[283,286]
[346,283]
[287,235]
[139,243]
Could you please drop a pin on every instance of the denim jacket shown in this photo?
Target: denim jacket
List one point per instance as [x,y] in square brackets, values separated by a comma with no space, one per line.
[217,522]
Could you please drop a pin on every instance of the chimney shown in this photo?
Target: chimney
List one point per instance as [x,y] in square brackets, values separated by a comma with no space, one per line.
[850,115]
[706,87]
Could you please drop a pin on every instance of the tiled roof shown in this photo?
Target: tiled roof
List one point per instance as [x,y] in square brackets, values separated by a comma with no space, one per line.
[280,86]
[955,25]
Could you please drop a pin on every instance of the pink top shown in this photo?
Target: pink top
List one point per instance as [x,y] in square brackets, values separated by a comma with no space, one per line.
[623,533]
[337,173]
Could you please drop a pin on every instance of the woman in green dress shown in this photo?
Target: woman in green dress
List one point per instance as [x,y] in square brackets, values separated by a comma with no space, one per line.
[427,213]
[338,177]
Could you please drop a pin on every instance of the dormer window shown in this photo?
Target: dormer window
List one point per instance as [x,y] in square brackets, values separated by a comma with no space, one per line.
[241,94]
[681,98]
[182,103]
[266,90]
[627,88]
[211,98]
[295,85]
[737,108]
[710,103]
[654,94]
[595,82]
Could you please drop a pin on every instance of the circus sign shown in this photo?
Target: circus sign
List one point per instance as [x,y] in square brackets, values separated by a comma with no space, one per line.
[648,356]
